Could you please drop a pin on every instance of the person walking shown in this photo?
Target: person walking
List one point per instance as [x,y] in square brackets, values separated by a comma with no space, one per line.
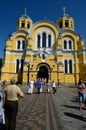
[48,87]
[12,93]
[31,87]
[54,86]
[81,92]
[59,83]
[39,84]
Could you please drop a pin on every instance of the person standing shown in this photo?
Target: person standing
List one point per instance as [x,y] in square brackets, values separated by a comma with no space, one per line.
[12,93]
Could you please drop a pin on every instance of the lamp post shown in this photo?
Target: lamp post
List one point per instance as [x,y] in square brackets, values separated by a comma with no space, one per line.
[28,70]
[28,46]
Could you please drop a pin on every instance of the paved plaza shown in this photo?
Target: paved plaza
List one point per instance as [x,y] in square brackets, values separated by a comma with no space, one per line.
[59,111]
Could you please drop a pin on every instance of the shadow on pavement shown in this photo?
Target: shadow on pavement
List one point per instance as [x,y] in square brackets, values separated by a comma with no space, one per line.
[75,116]
[74,107]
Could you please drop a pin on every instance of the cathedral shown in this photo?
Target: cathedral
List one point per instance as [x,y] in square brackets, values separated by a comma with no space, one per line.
[44,49]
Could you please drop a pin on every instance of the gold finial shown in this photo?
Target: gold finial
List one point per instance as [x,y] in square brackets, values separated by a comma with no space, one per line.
[64,11]
[25,11]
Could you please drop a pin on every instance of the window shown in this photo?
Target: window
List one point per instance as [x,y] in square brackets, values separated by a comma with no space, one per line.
[44,40]
[67,44]
[22,24]
[38,41]
[68,66]
[66,23]
[49,40]
[70,44]
[21,43]
[60,24]
[18,45]
[19,65]
[28,25]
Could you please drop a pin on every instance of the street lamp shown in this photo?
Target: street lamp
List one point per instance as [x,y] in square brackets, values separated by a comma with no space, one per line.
[28,66]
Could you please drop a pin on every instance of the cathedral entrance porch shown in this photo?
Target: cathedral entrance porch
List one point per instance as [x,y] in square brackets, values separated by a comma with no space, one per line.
[43,73]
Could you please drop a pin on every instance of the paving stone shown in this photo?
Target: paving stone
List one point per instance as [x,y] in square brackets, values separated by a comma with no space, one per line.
[59,111]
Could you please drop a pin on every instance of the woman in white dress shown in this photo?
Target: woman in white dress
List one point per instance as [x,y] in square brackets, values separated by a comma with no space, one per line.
[31,87]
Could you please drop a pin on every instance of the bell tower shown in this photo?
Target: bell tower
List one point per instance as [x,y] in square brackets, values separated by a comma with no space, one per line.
[65,22]
[24,22]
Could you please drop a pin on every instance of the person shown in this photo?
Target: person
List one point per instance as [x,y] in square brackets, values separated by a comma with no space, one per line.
[81,92]
[44,84]
[31,87]
[54,86]
[85,94]
[2,117]
[12,94]
[59,83]
[41,88]
[38,85]
[48,87]
[4,83]
[35,86]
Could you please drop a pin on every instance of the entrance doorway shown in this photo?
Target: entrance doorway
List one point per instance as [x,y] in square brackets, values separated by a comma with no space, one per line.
[43,73]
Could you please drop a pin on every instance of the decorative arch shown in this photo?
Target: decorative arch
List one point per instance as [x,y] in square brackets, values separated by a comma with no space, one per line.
[43,71]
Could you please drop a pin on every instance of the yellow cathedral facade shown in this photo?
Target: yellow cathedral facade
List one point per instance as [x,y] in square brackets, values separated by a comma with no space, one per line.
[44,49]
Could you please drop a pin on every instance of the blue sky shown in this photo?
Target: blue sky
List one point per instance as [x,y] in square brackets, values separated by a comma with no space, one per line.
[37,10]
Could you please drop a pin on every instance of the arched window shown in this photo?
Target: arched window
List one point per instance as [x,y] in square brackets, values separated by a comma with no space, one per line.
[68,66]
[66,23]
[21,43]
[18,44]
[28,25]
[22,24]
[43,39]
[65,44]
[49,40]
[70,44]
[38,41]
[19,65]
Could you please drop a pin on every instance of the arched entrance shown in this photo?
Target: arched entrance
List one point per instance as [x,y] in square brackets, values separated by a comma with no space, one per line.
[43,72]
